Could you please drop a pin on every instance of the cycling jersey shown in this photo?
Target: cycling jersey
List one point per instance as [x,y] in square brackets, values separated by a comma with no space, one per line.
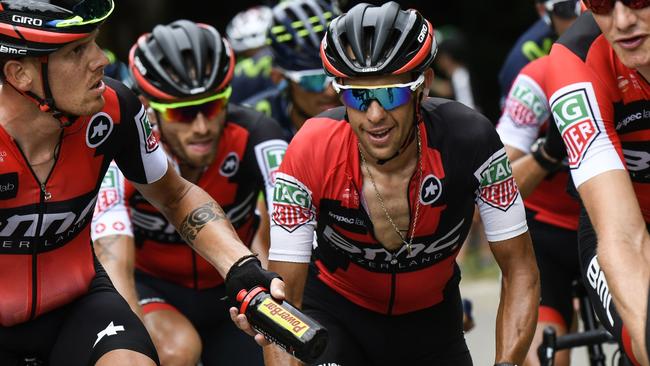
[252,75]
[249,152]
[274,103]
[601,108]
[533,44]
[46,256]
[525,117]
[318,188]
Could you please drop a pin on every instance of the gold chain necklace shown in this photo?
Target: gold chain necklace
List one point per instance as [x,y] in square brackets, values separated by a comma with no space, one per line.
[408,244]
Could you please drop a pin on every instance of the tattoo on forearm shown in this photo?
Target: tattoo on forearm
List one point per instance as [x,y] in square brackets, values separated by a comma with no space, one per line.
[103,248]
[197,219]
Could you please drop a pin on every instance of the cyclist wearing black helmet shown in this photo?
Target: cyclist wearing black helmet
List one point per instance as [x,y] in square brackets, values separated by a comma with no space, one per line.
[386,187]
[183,71]
[556,16]
[62,124]
[303,90]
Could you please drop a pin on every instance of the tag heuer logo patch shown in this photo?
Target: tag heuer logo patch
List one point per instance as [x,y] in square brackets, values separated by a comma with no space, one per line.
[526,104]
[146,132]
[292,206]
[230,165]
[269,156]
[497,185]
[430,190]
[574,117]
[98,130]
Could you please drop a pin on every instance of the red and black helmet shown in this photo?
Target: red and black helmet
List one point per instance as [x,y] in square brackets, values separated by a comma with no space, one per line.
[179,60]
[37,28]
[378,40]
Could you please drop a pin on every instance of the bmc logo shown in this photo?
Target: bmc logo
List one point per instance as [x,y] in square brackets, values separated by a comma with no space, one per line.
[26,20]
[12,51]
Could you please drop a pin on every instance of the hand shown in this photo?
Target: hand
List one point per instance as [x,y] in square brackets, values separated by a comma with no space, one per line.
[277,291]
[245,274]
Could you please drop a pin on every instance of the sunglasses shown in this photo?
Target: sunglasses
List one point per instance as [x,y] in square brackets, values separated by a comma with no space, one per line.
[603,7]
[314,81]
[186,112]
[389,96]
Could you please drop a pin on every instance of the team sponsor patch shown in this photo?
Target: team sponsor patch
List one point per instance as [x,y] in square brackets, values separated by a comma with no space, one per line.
[526,104]
[497,185]
[574,116]
[8,185]
[109,193]
[98,130]
[146,132]
[230,165]
[430,190]
[292,206]
[269,156]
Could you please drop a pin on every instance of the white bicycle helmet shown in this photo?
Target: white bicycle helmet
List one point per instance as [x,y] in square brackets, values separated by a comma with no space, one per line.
[247,30]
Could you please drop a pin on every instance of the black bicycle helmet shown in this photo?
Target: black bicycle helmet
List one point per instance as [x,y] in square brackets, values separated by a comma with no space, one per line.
[180,60]
[378,40]
[36,28]
[296,32]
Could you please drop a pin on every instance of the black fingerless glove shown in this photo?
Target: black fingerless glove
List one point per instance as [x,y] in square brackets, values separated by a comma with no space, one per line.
[549,151]
[246,273]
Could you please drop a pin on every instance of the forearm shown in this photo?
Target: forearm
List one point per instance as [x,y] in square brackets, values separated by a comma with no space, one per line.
[204,226]
[528,174]
[517,314]
[276,356]
[116,253]
[627,270]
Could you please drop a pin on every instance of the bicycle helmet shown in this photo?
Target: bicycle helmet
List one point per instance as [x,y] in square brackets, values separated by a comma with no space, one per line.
[180,60]
[36,28]
[378,40]
[247,30]
[296,32]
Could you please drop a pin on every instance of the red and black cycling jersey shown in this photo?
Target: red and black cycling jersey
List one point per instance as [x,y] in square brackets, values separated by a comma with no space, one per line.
[319,189]
[249,152]
[46,258]
[601,108]
[525,117]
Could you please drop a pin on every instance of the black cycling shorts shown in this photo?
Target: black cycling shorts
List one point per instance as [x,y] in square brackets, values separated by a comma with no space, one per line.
[79,333]
[223,342]
[556,251]
[358,336]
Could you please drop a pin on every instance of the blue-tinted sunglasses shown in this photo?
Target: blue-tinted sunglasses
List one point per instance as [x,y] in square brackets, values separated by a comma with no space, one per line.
[314,81]
[389,96]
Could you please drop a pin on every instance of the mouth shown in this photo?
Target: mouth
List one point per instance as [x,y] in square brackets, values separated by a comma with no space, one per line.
[631,43]
[98,86]
[379,136]
[200,146]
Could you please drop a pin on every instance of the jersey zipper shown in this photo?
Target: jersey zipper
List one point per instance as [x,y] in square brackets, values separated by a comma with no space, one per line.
[44,196]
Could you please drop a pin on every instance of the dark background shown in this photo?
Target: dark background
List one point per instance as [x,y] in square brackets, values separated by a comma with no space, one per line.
[490,26]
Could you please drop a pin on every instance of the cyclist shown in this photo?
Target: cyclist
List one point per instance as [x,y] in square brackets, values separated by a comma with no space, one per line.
[597,86]
[388,184]
[229,151]
[556,16]
[61,125]
[246,32]
[303,90]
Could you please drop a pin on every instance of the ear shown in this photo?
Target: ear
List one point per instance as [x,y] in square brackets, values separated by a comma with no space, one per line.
[20,73]
[276,75]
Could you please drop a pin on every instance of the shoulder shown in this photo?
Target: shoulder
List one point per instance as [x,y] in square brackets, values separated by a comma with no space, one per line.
[580,38]
[452,124]
[318,133]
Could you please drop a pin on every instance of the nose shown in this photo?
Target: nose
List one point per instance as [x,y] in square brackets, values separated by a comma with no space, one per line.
[200,124]
[99,60]
[623,17]
[375,113]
